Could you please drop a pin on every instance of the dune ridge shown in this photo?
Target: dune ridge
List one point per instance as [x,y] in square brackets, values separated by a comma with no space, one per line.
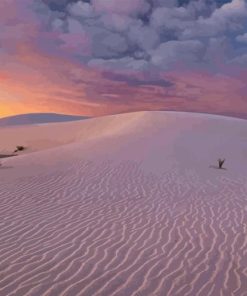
[114,212]
[37,118]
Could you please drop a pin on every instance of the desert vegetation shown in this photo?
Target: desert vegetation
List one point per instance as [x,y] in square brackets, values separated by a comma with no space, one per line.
[221,162]
[19,148]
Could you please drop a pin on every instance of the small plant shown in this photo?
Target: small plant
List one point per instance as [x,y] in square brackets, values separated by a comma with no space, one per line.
[19,148]
[221,162]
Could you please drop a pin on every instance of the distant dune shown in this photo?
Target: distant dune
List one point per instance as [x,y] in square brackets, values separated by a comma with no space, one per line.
[123,205]
[37,118]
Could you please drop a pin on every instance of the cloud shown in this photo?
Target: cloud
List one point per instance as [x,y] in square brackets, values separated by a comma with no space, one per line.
[242,38]
[57,4]
[102,49]
[138,81]
[142,34]
[228,18]
[81,9]
[174,19]
[172,52]
[124,63]
[144,37]
[126,7]
[240,60]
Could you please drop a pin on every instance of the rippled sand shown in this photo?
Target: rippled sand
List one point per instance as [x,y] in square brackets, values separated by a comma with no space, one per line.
[125,205]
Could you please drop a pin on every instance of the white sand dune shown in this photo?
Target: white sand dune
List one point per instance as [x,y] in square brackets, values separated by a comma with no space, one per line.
[37,118]
[127,204]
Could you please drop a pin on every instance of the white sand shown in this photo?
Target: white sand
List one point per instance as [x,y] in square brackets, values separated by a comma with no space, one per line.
[125,205]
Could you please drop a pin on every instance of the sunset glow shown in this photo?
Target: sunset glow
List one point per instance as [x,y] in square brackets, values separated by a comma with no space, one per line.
[52,60]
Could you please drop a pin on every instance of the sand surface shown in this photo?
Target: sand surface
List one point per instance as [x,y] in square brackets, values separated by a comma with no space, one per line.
[125,205]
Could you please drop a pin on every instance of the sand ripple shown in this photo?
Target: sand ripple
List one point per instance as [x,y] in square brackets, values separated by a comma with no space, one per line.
[104,229]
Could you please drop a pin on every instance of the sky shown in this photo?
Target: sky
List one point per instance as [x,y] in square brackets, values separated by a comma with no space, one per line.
[98,57]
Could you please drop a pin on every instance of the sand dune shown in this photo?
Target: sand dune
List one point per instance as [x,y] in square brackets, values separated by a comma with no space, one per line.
[125,205]
[37,118]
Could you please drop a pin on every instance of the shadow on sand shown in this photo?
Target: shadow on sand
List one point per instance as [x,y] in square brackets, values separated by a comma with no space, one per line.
[216,167]
[7,155]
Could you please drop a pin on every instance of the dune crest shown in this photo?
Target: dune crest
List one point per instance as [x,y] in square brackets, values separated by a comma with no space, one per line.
[37,118]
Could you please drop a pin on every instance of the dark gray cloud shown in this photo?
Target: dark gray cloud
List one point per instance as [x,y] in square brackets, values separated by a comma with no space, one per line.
[58,4]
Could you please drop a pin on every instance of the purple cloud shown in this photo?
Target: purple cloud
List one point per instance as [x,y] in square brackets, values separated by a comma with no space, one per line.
[126,7]
[138,81]
[134,34]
